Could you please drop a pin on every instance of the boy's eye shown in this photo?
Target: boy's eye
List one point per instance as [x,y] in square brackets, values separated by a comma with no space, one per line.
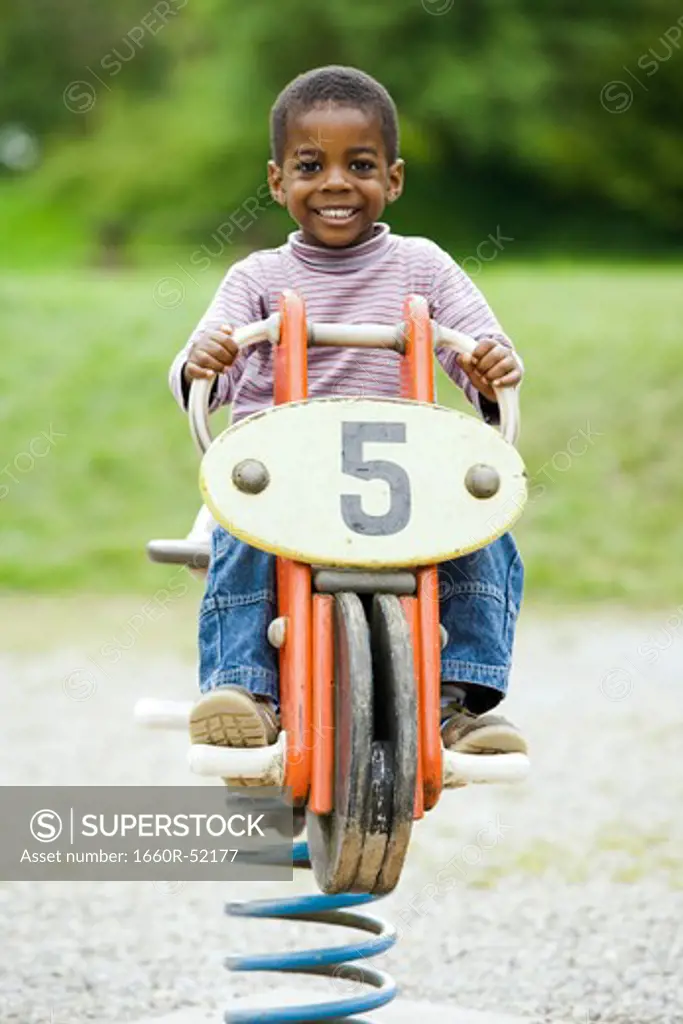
[308,166]
[363,165]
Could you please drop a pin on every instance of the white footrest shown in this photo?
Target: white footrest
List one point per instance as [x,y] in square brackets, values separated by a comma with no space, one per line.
[467,769]
[265,765]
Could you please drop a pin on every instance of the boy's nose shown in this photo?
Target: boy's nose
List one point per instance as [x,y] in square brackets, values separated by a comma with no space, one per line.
[336,180]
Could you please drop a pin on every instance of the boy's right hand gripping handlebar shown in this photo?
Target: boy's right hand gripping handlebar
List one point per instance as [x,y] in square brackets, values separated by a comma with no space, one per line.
[353,336]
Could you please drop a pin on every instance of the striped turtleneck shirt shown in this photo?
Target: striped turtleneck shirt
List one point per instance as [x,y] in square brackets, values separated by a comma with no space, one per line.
[365,283]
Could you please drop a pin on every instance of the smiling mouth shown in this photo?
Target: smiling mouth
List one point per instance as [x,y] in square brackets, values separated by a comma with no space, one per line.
[337,214]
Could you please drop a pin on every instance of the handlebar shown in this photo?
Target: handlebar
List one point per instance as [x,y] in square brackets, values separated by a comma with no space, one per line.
[345,335]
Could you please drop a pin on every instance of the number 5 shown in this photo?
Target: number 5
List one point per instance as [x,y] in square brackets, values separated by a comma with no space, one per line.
[354,435]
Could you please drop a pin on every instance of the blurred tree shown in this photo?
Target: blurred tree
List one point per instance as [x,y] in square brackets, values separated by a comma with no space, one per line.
[545,114]
[47,44]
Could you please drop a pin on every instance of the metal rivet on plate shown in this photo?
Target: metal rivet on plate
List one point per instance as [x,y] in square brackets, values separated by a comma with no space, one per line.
[250,476]
[482,481]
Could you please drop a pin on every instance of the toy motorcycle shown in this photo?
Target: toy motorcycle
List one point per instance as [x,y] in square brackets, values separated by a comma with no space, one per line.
[360,499]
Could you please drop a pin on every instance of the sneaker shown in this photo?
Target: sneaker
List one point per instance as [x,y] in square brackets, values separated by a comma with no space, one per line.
[233,717]
[467,733]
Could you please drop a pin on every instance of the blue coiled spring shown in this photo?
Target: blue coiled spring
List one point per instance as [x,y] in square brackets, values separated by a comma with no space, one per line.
[334,961]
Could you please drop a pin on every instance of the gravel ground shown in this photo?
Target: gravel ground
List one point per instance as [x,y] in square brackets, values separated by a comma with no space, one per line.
[566,900]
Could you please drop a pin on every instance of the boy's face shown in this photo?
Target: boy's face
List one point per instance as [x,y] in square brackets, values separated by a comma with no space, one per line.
[335,179]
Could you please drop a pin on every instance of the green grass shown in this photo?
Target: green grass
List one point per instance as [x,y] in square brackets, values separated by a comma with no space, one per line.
[87,353]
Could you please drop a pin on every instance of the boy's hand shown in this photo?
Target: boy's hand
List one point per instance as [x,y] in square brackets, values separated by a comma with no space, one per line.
[213,353]
[491,363]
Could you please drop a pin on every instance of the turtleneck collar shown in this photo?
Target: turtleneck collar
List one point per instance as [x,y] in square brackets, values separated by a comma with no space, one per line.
[340,261]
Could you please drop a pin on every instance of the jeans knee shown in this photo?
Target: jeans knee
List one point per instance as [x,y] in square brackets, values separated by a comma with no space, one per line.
[480,596]
[490,564]
[515,582]
[233,635]
[238,568]
[514,589]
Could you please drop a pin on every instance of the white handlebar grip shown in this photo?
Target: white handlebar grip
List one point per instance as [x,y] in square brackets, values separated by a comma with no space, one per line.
[200,390]
[198,412]
[508,398]
[268,330]
[508,403]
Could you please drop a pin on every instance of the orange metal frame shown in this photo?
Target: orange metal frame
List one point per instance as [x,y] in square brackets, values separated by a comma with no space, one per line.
[307,655]
[417,382]
[294,578]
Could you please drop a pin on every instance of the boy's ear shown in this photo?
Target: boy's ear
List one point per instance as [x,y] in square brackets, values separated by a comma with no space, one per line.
[275,183]
[396,179]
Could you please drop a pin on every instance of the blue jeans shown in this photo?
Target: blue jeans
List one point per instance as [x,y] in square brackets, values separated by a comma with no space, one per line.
[480,595]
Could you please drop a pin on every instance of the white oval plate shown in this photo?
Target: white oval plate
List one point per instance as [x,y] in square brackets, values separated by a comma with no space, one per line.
[363,482]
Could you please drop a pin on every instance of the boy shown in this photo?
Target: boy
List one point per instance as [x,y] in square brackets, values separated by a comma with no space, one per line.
[334,166]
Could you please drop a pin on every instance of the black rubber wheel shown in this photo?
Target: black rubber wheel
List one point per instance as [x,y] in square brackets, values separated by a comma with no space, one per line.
[361,846]
[336,840]
[396,727]
[378,822]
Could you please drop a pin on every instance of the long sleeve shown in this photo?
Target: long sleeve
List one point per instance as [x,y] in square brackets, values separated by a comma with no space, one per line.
[456,302]
[237,302]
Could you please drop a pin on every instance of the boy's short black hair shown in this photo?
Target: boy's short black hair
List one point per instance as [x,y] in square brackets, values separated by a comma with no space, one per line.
[333,84]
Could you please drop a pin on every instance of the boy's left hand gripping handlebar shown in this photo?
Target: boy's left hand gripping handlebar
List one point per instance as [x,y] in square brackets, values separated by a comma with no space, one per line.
[200,390]
[352,335]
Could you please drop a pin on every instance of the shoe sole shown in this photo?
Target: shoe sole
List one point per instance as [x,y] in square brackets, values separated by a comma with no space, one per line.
[227,718]
[491,739]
